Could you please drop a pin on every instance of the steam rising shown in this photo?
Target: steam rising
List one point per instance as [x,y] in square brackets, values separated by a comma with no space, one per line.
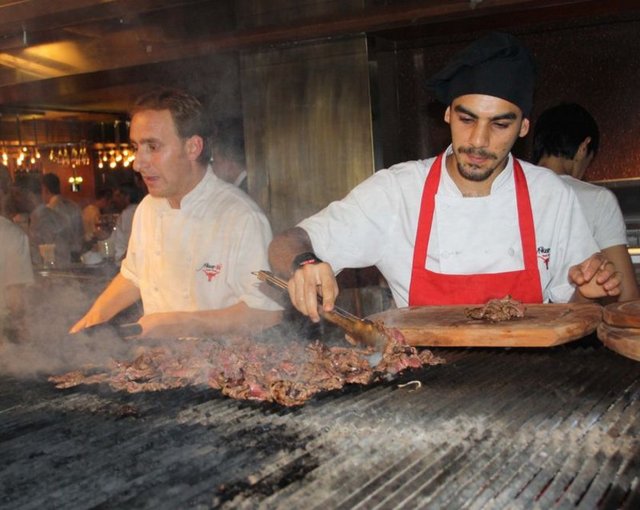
[53,307]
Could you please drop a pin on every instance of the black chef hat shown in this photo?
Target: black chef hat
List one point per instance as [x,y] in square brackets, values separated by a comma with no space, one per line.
[496,65]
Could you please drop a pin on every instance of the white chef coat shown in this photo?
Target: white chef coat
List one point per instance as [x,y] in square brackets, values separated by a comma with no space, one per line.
[600,207]
[201,256]
[15,259]
[376,225]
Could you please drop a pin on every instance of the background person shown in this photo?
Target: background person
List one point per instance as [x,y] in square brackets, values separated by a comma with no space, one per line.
[470,225]
[195,239]
[228,159]
[566,138]
[126,198]
[16,274]
[91,213]
[67,208]
[44,225]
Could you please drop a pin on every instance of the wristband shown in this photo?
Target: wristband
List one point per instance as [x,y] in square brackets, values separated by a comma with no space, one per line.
[303,259]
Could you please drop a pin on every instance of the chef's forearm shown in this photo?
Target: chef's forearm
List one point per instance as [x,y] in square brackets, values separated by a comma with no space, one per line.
[284,248]
[120,294]
[235,319]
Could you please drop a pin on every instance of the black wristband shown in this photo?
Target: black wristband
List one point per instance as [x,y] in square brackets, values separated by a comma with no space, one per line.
[303,259]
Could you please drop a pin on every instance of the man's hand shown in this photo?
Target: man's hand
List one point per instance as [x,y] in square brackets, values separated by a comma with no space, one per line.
[309,281]
[595,277]
[91,318]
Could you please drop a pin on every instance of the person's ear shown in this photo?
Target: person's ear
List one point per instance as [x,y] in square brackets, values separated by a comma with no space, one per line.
[447,115]
[194,147]
[583,149]
[524,128]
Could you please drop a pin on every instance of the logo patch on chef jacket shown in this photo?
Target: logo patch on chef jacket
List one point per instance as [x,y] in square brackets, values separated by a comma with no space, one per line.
[544,255]
[210,270]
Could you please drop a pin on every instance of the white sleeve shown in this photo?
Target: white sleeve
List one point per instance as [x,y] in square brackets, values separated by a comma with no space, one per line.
[574,244]
[351,232]
[610,229]
[250,254]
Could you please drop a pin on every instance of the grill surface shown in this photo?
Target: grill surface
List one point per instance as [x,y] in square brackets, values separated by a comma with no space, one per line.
[553,428]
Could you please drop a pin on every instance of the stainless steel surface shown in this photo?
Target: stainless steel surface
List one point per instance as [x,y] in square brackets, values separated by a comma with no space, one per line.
[552,428]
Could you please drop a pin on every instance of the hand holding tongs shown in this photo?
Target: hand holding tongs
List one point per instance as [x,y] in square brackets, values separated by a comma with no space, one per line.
[362,331]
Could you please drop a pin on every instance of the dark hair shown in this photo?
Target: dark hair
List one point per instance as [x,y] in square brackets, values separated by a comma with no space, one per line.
[5,179]
[131,191]
[52,183]
[29,182]
[560,130]
[104,193]
[228,139]
[187,112]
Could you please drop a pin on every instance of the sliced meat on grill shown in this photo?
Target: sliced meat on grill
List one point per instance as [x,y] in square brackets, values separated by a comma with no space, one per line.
[245,369]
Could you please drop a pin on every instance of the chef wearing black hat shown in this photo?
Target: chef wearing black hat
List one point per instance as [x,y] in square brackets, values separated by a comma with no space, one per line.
[467,226]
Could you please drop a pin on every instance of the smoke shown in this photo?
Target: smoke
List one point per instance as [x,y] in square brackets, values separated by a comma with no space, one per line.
[53,306]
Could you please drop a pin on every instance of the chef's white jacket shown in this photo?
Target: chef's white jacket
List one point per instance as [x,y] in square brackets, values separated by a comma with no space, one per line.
[375,224]
[201,256]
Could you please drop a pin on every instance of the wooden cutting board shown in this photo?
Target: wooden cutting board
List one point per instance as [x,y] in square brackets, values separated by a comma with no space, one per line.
[625,341]
[622,315]
[444,326]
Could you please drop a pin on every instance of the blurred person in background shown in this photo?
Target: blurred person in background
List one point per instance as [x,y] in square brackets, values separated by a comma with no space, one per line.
[91,213]
[16,272]
[126,198]
[68,208]
[5,186]
[566,139]
[228,155]
[195,239]
[44,224]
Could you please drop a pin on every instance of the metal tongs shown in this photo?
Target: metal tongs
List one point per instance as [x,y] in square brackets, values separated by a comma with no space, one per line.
[362,331]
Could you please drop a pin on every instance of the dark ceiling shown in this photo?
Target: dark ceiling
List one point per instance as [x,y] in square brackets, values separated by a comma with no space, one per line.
[89,58]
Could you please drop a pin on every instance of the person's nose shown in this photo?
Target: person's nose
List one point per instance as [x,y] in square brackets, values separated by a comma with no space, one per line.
[139,162]
[479,136]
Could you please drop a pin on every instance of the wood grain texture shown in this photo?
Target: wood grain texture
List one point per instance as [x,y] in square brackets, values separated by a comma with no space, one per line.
[622,315]
[543,325]
[625,341]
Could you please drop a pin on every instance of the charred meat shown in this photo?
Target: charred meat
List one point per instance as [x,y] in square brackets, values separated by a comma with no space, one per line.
[245,369]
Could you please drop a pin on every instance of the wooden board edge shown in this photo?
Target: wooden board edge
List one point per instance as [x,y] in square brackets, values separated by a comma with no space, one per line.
[548,338]
[625,347]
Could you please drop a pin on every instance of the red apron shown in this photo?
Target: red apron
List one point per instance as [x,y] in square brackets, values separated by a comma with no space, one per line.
[429,288]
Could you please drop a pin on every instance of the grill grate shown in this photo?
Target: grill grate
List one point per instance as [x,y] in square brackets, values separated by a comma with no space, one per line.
[490,429]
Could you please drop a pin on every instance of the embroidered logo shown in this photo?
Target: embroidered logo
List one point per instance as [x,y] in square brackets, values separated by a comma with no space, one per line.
[210,270]
[543,254]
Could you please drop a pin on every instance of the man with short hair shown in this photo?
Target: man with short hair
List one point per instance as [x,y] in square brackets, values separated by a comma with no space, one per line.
[229,161]
[91,213]
[52,197]
[195,239]
[472,224]
[566,138]
[16,274]
[44,225]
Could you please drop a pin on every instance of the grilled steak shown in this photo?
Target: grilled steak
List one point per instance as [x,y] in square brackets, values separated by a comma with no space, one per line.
[245,369]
